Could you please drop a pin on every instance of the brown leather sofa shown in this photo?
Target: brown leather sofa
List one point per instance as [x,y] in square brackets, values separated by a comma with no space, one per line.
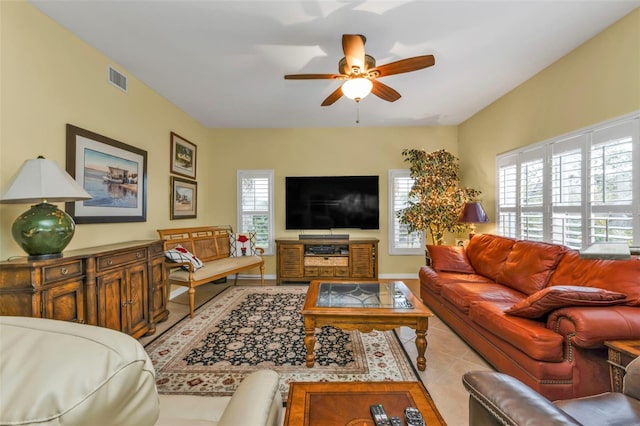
[499,399]
[534,310]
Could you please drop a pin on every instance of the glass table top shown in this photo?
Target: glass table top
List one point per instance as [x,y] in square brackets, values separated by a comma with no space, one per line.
[361,295]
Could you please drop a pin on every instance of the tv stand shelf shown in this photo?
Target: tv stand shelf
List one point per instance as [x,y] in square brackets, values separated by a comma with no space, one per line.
[337,259]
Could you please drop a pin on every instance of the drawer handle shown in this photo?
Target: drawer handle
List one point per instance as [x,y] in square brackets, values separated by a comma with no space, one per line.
[139,255]
[109,262]
[64,271]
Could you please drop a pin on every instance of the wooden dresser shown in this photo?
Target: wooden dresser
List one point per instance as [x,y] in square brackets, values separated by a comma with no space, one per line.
[119,286]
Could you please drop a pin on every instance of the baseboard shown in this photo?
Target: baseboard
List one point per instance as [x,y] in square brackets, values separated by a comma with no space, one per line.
[398,276]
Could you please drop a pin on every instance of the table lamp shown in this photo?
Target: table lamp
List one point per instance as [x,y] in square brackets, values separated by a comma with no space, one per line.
[43,231]
[473,213]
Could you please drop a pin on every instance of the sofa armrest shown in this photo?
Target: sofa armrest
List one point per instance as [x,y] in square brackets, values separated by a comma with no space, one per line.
[496,398]
[589,327]
[256,402]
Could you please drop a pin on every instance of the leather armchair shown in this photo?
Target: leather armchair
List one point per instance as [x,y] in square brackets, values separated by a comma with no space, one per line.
[58,372]
[499,399]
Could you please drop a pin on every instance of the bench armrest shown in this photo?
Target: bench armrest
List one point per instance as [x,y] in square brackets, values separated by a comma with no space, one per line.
[170,264]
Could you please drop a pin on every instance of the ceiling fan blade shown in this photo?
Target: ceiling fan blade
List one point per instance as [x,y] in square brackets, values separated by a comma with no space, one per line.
[312,76]
[385,92]
[353,47]
[337,94]
[404,65]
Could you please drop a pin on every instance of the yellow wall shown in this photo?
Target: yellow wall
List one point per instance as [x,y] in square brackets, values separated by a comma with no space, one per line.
[49,78]
[311,152]
[598,81]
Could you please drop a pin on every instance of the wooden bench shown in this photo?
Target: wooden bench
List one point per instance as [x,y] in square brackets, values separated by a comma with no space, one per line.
[211,245]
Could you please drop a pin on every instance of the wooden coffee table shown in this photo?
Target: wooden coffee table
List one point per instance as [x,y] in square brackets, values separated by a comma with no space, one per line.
[364,306]
[347,403]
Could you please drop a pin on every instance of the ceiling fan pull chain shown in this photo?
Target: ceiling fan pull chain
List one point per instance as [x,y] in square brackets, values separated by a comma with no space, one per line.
[357,112]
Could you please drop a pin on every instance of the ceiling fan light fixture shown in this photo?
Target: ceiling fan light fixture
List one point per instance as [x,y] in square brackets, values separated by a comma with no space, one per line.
[357,88]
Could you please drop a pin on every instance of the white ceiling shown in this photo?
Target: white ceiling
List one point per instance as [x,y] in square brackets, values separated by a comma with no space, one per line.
[223,62]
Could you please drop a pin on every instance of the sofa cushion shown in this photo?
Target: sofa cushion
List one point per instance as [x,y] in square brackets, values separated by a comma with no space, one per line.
[487,253]
[450,259]
[554,297]
[530,336]
[435,280]
[463,295]
[221,267]
[622,276]
[529,265]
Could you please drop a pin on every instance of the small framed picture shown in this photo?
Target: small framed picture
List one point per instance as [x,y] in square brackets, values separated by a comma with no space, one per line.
[183,156]
[184,198]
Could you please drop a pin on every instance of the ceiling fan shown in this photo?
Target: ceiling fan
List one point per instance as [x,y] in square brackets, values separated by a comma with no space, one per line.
[360,72]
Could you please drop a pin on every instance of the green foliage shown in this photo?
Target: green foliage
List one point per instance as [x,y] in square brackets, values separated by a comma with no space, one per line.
[436,199]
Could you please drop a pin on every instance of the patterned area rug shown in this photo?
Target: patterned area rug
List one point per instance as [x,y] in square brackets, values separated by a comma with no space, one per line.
[249,328]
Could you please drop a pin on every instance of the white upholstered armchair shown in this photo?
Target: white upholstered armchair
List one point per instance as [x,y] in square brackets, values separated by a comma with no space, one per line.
[62,373]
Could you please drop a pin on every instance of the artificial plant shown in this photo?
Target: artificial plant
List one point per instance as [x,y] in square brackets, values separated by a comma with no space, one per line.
[436,198]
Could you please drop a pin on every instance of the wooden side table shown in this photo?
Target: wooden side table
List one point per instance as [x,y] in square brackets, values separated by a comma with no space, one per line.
[621,353]
[347,403]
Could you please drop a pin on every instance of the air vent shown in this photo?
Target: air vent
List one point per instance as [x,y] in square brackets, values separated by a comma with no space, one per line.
[117,78]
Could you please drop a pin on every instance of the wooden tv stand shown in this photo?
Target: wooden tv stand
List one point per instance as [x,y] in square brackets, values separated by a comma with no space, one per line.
[338,259]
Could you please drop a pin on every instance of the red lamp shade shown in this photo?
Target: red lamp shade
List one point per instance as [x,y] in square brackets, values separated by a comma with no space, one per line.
[473,213]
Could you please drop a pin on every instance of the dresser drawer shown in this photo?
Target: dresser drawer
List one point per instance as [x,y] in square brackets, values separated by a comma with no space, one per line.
[342,271]
[326,271]
[119,259]
[311,271]
[58,272]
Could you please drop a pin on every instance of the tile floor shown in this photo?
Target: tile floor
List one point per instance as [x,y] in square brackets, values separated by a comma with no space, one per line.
[448,357]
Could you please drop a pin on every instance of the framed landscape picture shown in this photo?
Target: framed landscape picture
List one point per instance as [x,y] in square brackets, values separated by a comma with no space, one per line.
[183,156]
[112,172]
[184,198]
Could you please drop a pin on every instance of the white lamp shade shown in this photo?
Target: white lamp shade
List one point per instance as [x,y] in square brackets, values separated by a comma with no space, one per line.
[357,88]
[39,180]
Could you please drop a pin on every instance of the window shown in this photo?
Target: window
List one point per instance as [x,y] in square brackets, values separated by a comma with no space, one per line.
[401,241]
[255,206]
[574,190]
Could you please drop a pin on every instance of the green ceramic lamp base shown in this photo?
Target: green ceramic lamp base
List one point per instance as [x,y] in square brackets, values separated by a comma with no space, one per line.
[43,231]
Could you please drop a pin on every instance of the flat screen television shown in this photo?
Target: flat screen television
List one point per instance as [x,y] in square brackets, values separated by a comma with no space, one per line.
[332,202]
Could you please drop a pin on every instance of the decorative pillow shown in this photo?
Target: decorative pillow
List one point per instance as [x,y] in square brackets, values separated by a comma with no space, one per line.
[181,254]
[242,244]
[449,259]
[554,297]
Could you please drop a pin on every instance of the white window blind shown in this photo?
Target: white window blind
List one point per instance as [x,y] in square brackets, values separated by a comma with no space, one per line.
[255,206]
[401,240]
[507,196]
[567,187]
[573,190]
[611,184]
[532,181]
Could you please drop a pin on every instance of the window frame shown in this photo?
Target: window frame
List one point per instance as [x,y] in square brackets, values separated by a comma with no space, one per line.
[257,174]
[393,248]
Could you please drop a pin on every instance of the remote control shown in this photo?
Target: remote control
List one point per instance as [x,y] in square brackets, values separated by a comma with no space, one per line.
[395,421]
[380,417]
[413,417]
